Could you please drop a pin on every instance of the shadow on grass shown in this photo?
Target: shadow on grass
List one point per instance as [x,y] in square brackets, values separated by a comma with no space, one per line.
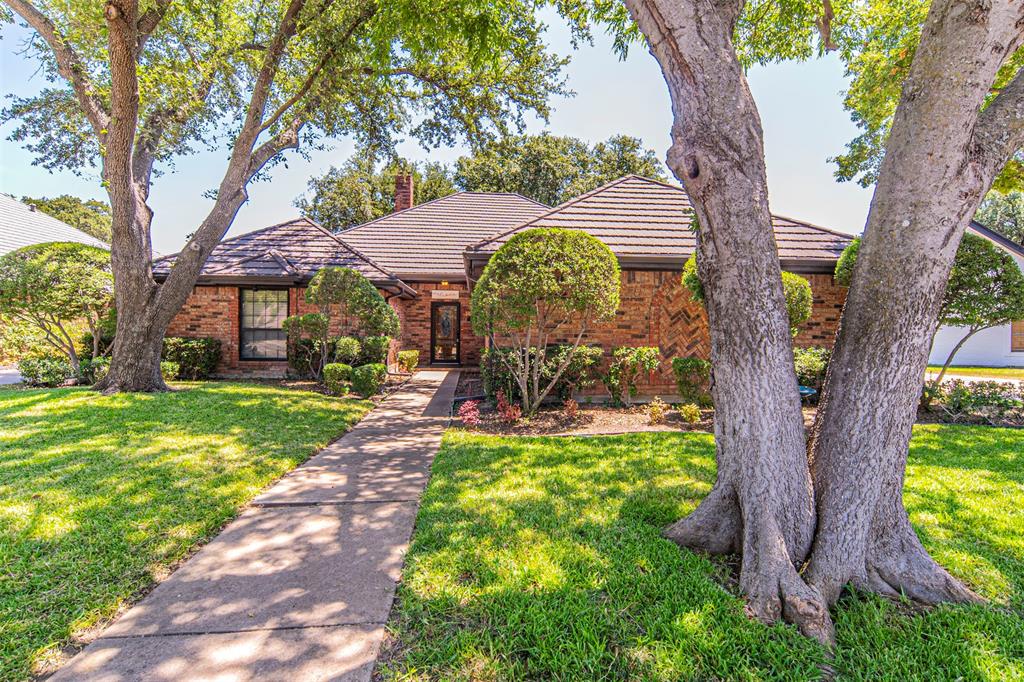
[100,494]
[541,558]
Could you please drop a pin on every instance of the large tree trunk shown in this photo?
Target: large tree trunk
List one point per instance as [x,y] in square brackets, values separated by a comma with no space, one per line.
[761,504]
[941,158]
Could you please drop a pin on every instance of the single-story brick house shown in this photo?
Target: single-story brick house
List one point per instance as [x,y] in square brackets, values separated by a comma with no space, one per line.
[425,259]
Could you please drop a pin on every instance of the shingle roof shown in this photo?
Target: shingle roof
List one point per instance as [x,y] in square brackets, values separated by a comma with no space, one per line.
[291,251]
[428,240]
[21,225]
[646,220]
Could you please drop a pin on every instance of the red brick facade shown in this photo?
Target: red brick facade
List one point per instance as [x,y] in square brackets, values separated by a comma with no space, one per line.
[655,310]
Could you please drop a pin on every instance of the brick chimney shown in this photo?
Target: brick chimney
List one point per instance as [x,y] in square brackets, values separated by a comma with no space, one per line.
[403,191]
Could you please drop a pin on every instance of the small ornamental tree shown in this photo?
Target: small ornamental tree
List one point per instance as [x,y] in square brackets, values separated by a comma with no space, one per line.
[542,283]
[986,289]
[52,286]
[797,290]
[349,294]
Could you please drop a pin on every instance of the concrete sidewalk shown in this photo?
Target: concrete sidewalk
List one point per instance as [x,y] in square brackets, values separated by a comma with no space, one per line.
[300,585]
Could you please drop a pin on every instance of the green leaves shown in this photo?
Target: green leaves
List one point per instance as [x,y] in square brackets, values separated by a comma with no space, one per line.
[986,288]
[355,297]
[551,273]
[61,281]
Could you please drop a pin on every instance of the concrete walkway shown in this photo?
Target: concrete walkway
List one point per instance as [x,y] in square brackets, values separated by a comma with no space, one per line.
[9,375]
[300,585]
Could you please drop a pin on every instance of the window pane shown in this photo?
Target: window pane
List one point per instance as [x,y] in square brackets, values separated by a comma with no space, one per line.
[1017,337]
[263,312]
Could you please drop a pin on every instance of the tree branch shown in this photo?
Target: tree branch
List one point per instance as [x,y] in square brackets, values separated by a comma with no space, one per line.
[999,132]
[69,65]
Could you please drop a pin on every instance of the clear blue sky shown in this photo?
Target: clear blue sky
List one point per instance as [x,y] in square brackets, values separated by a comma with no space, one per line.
[800,105]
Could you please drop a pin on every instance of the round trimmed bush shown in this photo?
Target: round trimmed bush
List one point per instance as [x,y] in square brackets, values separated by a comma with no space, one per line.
[347,350]
[369,379]
[337,376]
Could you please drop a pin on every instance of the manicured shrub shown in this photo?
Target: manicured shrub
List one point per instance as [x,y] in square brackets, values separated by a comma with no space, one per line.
[308,347]
[367,380]
[469,412]
[46,371]
[690,413]
[352,296]
[196,358]
[92,370]
[496,371]
[408,360]
[811,365]
[170,370]
[375,350]
[543,283]
[988,400]
[656,411]
[347,350]
[693,378]
[628,363]
[337,376]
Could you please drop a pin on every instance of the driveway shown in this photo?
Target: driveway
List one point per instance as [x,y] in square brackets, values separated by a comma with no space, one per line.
[9,375]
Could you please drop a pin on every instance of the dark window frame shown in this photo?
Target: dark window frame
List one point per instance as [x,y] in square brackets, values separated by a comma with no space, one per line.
[243,329]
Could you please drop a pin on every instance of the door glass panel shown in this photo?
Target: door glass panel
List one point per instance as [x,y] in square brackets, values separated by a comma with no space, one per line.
[446,333]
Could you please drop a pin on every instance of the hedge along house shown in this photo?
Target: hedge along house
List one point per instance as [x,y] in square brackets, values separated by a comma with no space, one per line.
[425,258]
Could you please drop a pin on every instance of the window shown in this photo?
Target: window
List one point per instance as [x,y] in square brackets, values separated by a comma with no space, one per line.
[1017,337]
[263,314]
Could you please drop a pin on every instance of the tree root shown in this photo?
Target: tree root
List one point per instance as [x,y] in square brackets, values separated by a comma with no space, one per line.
[714,526]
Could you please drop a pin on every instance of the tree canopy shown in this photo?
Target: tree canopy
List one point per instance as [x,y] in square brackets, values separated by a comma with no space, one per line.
[361,190]
[89,216]
[1003,213]
[54,285]
[540,283]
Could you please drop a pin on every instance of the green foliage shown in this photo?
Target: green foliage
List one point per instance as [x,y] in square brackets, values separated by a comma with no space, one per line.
[847,259]
[169,370]
[347,349]
[308,347]
[46,371]
[408,360]
[20,339]
[628,364]
[811,365]
[337,376]
[657,411]
[467,70]
[552,169]
[53,285]
[693,379]
[543,282]
[369,379]
[93,370]
[350,295]
[196,358]
[360,190]
[986,287]
[799,300]
[90,216]
[529,551]
[1003,213]
[796,289]
[375,350]
[995,402]
[122,488]
[690,413]
[496,371]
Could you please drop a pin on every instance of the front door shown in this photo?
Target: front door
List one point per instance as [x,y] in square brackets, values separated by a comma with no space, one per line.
[444,332]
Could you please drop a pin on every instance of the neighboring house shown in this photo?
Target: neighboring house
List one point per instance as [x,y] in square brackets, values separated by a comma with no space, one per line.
[425,259]
[24,225]
[996,347]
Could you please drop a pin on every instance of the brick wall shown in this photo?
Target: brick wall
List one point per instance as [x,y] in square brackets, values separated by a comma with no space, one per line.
[655,310]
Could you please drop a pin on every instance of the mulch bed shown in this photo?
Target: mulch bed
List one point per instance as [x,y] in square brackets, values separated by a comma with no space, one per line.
[590,420]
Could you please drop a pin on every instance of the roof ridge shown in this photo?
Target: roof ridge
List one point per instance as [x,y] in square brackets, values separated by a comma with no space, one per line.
[812,225]
[239,236]
[387,216]
[559,207]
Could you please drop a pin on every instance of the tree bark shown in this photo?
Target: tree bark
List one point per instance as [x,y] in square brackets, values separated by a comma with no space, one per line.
[942,156]
[761,504]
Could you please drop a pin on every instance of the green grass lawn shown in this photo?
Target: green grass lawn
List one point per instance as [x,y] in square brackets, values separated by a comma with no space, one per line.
[100,494]
[994,372]
[541,559]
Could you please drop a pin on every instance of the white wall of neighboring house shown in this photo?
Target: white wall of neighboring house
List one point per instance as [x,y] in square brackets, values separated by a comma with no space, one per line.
[988,348]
